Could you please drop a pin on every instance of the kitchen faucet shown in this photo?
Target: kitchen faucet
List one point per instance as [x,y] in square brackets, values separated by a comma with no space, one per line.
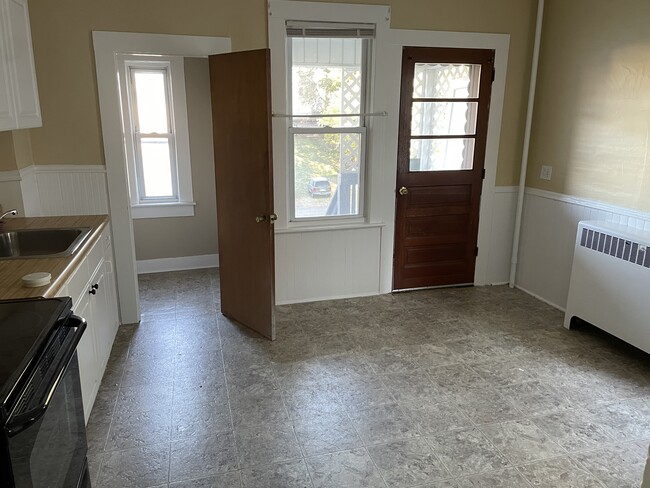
[13,211]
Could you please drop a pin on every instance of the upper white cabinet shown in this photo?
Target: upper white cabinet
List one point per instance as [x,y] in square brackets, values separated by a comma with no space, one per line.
[19,106]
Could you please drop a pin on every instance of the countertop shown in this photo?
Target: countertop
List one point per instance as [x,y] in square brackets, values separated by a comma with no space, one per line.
[12,270]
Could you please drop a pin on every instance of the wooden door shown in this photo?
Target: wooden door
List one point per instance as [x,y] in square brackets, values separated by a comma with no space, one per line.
[445,99]
[241,117]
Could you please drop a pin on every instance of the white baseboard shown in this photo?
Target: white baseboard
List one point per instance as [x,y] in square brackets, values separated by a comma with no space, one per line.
[178,264]
[323,298]
[540,298]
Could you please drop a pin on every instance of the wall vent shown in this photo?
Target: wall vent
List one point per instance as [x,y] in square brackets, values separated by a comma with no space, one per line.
[620,248]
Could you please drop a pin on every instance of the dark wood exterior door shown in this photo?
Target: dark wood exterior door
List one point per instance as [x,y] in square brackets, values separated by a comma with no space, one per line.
[241,118]
[444,105]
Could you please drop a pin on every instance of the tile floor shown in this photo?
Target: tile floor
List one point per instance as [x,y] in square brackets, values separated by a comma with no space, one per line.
[455,388]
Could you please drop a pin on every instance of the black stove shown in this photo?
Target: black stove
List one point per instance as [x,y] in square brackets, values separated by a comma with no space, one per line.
[42,430]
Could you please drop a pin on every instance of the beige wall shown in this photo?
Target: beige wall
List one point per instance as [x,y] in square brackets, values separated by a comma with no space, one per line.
[63,54]
[592,111]
[188,236]
[7,153]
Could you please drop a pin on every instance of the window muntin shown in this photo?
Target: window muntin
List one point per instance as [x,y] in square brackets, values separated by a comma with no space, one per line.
[444,112]
[328,78]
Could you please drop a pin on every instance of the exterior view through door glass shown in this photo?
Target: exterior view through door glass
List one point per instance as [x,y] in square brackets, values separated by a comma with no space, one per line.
[444,105]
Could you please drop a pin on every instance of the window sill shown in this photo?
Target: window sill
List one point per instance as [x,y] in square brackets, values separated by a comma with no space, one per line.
[162,210]
[331,227]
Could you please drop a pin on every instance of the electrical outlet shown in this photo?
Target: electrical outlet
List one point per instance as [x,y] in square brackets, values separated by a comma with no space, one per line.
[546,172]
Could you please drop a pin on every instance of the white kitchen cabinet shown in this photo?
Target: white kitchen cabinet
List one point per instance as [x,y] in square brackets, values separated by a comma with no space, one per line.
[92,288]
[19,104]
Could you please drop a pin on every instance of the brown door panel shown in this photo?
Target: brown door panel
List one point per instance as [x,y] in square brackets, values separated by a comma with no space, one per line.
[434,254]
[436,195]
[438,210]
[437,225]
[440,178]
[241,119]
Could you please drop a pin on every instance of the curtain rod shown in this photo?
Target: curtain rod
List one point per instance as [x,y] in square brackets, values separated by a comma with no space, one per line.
[319,116]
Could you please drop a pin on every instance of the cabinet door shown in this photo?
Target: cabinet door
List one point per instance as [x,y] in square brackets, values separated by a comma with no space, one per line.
[28,113]
[101,315]
[111,293]
[7,110]
[86,352]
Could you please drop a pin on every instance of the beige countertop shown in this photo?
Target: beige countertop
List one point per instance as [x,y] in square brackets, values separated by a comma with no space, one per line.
[12,270]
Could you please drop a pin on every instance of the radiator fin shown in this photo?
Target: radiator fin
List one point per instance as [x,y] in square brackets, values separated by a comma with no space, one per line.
[624,249]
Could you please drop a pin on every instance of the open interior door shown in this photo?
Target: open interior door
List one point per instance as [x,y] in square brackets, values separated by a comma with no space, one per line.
[240,84]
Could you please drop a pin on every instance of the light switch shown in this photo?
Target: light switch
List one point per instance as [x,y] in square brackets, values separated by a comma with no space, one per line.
[546,172]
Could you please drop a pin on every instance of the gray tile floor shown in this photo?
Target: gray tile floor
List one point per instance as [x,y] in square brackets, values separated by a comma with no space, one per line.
[455,388]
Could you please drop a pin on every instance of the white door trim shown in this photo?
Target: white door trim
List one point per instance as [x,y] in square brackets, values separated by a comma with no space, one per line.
[106,46]
[388,89]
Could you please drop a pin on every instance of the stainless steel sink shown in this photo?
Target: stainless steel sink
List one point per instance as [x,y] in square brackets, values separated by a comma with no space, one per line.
[42,243]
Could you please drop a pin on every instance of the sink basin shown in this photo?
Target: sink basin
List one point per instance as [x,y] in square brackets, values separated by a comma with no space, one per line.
[42,243]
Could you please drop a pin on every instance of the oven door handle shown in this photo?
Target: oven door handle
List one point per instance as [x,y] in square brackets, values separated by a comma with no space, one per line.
[23,421]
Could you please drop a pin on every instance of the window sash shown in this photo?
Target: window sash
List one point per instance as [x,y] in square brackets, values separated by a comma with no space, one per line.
[142,195]
[360,128]
[138,137]
[362,169]
[366,46]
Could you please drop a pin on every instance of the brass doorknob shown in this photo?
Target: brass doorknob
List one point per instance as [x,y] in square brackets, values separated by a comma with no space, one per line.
[403,191]
[261,218]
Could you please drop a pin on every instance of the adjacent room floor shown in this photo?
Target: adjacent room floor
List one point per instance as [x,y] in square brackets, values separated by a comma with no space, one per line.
[455,388]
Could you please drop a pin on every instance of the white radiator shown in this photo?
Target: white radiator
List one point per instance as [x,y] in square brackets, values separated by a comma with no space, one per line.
[610,281]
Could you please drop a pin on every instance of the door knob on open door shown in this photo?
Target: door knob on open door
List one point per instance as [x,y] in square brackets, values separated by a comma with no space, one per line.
[273,217]
[403,191]
[261,218]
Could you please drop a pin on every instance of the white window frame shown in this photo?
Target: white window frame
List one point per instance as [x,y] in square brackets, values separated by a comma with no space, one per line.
[281,12]
[181,204]
[362,130]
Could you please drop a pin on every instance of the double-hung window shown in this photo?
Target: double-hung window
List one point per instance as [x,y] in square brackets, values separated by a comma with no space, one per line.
[328,92]
[156,135]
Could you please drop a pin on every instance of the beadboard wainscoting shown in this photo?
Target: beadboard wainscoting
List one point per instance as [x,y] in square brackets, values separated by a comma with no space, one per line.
[549,226]
[323,264]
[177,264]
[503,226]
[64,189]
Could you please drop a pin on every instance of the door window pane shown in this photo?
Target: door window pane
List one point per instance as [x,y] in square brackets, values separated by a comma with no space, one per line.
[326,174]
[156,168]
[443,118]
[441,154]
[446,80]
[151,101]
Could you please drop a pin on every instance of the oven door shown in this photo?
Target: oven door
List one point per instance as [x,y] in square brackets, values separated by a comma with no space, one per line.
[47,442]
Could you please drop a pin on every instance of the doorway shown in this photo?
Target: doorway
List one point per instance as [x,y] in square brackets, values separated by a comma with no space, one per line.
[106,46]
[443,124]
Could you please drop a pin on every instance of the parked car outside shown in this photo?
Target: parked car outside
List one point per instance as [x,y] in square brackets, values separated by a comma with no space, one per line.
[319,186]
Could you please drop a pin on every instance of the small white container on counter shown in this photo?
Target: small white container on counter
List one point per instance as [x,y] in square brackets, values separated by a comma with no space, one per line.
[34,280]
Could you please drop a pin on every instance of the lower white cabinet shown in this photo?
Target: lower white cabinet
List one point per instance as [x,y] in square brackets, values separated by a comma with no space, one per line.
[93,292]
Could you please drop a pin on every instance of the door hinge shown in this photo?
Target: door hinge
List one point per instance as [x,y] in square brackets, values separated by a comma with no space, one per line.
[483,177]
[476,251]
[494,74]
